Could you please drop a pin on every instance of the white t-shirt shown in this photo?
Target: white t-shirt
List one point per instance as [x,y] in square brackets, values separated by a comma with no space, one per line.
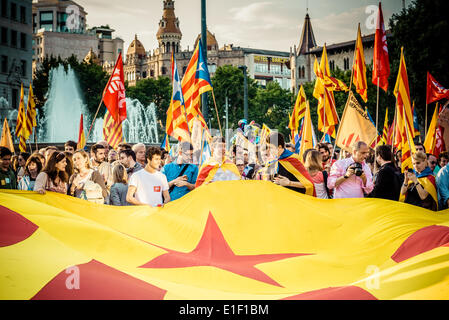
[149,186]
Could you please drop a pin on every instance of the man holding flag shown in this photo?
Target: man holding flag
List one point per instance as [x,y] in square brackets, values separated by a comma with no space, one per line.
[289,171]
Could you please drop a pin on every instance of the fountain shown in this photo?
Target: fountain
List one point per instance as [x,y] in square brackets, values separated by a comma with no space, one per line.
[140,124]
[65,104]
[63,107]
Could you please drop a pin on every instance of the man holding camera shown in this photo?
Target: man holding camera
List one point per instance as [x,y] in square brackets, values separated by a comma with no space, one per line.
[352,177]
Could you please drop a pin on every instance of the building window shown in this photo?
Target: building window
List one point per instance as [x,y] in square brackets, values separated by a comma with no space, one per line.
[4,36]
[152,73]
[346,63]
[303,72]
[332,65]
[261,67]
[144,74]
[184,69]
[46,20]
[4,8]
[163,70]
[23,65]
[23,15]
[4,64]
[13,11]
[23,41]
[14,38]
[15,98]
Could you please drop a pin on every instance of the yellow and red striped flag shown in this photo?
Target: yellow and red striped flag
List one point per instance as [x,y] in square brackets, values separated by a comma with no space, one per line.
[327,112]
[176,125]
[30,114]
[6,138]
[112,130]
[359,68]
[81,136]
[386,129]
[21,122]
[298,112]
[404,115]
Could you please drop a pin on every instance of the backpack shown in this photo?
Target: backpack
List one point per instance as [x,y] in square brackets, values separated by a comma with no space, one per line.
[92,192]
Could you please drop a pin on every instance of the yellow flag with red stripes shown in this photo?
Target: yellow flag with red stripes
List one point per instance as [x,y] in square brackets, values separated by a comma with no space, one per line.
[277,245]
[359,68]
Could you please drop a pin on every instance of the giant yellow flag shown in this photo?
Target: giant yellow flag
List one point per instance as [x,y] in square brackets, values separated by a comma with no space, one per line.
[278,244]
[355,125]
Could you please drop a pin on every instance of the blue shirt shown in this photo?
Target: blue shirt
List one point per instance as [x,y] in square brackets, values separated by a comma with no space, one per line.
[443,186]
[172,171]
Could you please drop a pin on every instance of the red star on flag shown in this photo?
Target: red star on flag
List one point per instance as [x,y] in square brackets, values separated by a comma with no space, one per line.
[213,250]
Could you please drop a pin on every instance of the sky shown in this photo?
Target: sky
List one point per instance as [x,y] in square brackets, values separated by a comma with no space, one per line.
[261,24]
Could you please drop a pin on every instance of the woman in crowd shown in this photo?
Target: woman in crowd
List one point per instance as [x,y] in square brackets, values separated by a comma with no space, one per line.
[120,187]
[112,156]
[33,167]
[419,186]
[54,176]
[86,183]
[313,164]
[21,162]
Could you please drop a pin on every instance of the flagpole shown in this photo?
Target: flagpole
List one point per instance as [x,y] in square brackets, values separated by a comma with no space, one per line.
[216,110]
[93,121]
[394,128]
[425,130]
[377,120]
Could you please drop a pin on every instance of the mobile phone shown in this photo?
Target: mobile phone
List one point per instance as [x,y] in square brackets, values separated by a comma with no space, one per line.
[410,170]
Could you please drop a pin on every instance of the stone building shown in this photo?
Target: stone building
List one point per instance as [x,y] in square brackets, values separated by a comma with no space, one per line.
[340,55]
[263,65]
[15,55]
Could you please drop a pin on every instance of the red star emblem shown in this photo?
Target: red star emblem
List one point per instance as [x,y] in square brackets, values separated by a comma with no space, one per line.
[213,250]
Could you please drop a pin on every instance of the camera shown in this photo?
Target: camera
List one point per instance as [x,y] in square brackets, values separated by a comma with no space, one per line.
[357,169]
[410,170]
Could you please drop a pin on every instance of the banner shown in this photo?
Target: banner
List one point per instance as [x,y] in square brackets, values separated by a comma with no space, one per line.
[355,125]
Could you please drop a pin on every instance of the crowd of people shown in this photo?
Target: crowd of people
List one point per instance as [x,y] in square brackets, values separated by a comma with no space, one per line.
[137,175]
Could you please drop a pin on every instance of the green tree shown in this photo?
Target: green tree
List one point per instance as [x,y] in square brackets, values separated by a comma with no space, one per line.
[228,81]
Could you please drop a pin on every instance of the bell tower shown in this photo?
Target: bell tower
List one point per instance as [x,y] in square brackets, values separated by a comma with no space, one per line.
[169,35]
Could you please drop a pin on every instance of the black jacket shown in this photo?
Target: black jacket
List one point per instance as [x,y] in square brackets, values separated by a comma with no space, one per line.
[387,184]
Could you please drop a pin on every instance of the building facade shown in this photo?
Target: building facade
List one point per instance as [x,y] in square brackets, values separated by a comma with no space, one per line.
[15,54]
[60,31]
[263,65]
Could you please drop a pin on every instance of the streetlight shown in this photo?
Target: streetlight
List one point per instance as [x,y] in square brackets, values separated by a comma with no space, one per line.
[245,92]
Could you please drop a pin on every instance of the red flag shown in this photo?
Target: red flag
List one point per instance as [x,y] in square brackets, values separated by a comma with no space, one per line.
[114,94]
[381,64]
[435,91]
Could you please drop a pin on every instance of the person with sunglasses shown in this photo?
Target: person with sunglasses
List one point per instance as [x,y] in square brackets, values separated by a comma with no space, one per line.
[432,162]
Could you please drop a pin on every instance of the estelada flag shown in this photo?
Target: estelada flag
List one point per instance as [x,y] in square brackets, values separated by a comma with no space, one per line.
[381,64]
[208,169]
[114,96]
[81,135]
[435,91]
[355,125]
[359,68]
[6,138]
[204,246]
[191,85]
[176,124]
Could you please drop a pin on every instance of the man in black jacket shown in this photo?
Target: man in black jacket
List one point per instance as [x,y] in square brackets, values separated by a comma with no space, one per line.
[387,184]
